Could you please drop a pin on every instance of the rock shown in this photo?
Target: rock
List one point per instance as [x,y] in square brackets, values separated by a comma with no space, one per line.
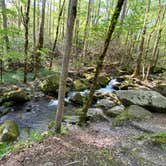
[71,119]
[77,99]
[103,80]
[114,111]
[95,114]
[133,112]
[15,96]
[9,131]
[161,88]
[80,85]
[4,110]
[50,85]
[105,103]
[151,100]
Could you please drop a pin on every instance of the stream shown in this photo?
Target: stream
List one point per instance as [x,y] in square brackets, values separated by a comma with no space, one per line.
[36,114]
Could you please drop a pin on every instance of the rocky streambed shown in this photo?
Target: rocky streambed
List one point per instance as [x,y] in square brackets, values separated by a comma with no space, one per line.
[120,113]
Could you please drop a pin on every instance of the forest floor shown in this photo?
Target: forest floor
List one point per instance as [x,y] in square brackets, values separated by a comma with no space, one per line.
[98,144]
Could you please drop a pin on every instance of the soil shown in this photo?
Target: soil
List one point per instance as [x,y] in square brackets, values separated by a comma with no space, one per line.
[98,144]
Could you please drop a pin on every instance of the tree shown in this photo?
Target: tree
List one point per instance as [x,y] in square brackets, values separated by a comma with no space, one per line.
[56,35]
[41,39]
[72,10]
[4,17]
[100,61]
[26,26]
[141,45]
[86,32]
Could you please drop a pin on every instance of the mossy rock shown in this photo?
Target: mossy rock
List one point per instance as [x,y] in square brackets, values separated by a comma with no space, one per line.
[133,112]
[50,85]
[80,85]
[9,131]
[103,80]
[5,111]
[159,138]
[114,111]
[15,96]
[78,99]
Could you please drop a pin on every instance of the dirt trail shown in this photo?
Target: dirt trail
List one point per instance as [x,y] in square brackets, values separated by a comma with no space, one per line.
[97,144]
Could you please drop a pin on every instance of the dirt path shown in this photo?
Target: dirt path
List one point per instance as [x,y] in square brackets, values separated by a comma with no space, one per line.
[98,144]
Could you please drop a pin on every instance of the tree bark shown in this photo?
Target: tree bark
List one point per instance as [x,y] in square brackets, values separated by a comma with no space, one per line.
[4,18]
[101,58]
[56,35]
[41,40]
[26,26]
[141,45]
[67,51]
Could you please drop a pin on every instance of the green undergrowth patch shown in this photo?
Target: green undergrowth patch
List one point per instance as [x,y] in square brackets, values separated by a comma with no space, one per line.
[34,136]
[157,138]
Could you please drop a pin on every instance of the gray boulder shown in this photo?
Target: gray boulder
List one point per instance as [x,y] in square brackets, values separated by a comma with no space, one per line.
[150,100]
[105,103]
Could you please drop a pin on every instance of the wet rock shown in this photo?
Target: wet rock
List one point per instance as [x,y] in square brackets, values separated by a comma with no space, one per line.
[151,100]
[105,103]
[77,99]
[114,111]
[4,110]
[9,131]
[131,113]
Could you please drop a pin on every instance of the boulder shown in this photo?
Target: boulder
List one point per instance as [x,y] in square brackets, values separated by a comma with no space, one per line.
[80,85]
[150,100]
[95,114]
[114,111]
[133,112]
[71,119]
[9,131]
[15,96]
[77,99]
[50,85]
[105,103]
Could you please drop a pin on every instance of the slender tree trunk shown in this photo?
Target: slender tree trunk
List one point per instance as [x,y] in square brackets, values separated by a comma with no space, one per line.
[141,45]
[4,18]
[87,26]
[101,58]
[34,31]
[26,26]
[41,40]
[67,51]
[152,61]
[56,36]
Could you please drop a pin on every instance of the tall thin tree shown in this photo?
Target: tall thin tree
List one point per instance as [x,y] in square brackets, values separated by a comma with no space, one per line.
[100,61]
[72,10]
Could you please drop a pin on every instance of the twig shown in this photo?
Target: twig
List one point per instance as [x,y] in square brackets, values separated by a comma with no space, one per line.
[71,163]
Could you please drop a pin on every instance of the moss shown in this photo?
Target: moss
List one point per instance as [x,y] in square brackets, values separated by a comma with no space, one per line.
[11,132]
[7,110]
[159,138]
[80,85]
[122,118]
[51,125]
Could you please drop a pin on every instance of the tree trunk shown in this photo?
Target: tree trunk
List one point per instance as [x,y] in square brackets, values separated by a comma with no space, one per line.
[56,36]
[26,26]
[34,31]
[101,58]
[4,18]
[67,51]
[41,40]
[87,26]
[141,45]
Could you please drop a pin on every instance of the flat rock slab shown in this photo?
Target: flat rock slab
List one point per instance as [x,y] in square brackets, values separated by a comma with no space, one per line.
[151,100]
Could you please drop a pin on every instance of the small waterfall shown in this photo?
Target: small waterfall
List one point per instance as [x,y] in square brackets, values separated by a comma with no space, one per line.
[109,87]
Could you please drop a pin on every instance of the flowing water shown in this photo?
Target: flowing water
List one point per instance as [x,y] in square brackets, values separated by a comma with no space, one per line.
[35,115]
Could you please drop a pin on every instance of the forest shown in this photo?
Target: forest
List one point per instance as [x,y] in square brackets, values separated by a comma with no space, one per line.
[82,83]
